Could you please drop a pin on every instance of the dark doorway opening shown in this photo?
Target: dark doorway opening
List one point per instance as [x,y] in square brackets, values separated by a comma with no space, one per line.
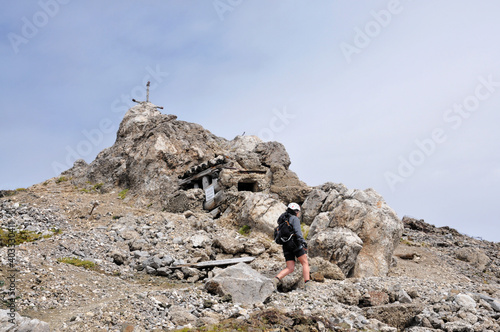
[248,186]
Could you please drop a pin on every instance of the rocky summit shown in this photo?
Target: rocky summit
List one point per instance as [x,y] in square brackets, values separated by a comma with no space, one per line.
[171,229]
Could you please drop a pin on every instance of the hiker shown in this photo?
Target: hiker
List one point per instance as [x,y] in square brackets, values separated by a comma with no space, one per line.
[296,247]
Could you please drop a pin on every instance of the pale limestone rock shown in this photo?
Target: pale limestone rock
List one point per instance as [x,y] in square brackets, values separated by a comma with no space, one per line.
[244,284]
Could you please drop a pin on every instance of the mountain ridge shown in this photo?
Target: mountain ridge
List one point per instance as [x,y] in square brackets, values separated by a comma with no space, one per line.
[169,194]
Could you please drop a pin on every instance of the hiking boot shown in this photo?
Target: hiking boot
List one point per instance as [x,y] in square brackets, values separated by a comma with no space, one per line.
[308,285]
[276,282]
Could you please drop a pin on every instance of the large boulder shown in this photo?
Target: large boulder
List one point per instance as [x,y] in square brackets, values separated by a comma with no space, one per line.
[258,210]
[245,285]
[339,246]
[241,150]
[272,153]
[367,216]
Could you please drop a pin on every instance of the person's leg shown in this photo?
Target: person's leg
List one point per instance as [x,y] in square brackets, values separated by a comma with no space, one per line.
[305,266]
[290,266]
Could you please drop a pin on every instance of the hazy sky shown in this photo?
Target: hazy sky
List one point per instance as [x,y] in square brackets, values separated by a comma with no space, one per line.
[399,96]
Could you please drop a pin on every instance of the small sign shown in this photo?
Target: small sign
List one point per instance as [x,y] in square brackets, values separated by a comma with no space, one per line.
[209,193]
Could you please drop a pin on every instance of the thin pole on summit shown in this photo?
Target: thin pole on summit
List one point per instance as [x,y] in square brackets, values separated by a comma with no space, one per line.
[147,97]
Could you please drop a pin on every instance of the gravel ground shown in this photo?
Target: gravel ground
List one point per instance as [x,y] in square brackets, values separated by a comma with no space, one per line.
[440,279]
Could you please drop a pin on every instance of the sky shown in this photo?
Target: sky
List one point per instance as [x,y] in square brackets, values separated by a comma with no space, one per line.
[399,96]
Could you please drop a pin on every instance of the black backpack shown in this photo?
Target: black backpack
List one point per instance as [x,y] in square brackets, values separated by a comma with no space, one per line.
[283,233]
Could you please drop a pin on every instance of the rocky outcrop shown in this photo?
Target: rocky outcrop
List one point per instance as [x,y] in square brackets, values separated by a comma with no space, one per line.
[179,166]
[150,151]
[245,285]
[359,220]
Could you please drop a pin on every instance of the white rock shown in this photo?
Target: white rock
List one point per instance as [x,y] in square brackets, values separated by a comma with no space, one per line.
[465,301]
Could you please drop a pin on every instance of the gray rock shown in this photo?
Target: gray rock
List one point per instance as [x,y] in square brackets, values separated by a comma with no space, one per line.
[374,298]
[258,210]
[150,270]
[167,260]
[272,153]
[181,316]
[184,200]
[244,284]
[396,315]
[129,234]
[178,274]
[178,240]
[150,145]
[190,272]
[312,205]
[229,245]
[327,269]
[320,223]
[495,305]
[366,214]
[164,271]
[339,246]
[465,301]
[254,248]
[138,244]
[21,324]
[153,262]
[458,326]
[118,256]
[403,297]
[140,254]
[200,240]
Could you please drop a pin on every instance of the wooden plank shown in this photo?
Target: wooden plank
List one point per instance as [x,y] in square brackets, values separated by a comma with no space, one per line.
[229,261]
[205,181]
[252,171]
[197,176]
[220,262]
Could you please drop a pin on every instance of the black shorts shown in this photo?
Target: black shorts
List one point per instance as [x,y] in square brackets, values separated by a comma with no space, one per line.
[290,255]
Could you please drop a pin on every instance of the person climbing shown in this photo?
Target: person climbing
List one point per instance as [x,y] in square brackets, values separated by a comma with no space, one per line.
[296,247]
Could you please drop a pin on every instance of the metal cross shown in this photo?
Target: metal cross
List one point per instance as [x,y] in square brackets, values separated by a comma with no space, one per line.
[147,92]
[147,96]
